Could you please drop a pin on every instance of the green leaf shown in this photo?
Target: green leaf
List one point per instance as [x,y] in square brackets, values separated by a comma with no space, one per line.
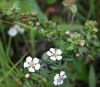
[34,76]
[68,59]
[69,40]
[5,10]
[44,79]
[45,57]
[50,1]
[15,4]
[73,8]
[53,67]
[30,82]
[9,12]
[92,77]
[26,70]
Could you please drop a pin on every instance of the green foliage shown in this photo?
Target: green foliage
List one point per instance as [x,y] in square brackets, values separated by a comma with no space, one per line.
[92,77]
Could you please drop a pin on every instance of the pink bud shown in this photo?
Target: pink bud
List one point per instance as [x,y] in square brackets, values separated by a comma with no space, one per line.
[50,36]
[12,9]
[82,44]
[37,23]
[27,76]
[77,54]
[67,32]
[34,14]
[40,76]
[28,19]
[90,41]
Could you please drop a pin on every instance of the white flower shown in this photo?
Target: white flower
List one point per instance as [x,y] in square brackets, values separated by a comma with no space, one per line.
[58,78]
[32,64]
[19,29]
[12,32]
[54,54]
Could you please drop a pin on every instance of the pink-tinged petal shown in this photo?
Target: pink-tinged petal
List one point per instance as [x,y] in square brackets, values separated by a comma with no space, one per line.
[25,64]
[56,77]
[37,66]
[52,50]
[58,52]
[55,82]
[35,60]
[53,58]
[31,69]
[28,59]
[62,73]
[49,53]
[59,57]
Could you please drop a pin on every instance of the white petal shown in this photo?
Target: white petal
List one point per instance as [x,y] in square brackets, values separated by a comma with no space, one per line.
[58,51]
[62,73]
[28,59]
[58,83]
[59,57]
[49,53]
[53,58]
[36,60]
[25,64]
[16,26]
[31,69]
[61,82]
[52,50]
[55,82]
[56,77]
[37,66]
[64,76]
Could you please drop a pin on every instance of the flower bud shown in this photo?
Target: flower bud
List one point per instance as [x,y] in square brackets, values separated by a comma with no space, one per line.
[77,54]
[67,32]
[27,76]
[23,14]
[28,19]
[37,23]
[34,14]
[50,36]
[12,9]
[40,76]
[90,41]
[82,44]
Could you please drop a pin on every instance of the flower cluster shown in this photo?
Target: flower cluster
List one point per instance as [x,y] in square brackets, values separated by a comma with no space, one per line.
[13,31]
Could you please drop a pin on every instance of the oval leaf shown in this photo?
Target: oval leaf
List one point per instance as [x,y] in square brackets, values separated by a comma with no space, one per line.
[5,10]
[73,8]
[34,76]
[15,4]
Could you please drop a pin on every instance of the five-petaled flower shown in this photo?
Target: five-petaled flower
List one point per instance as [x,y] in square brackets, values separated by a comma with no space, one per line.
[12,32]
[58,78]
[54,54]
[32,64]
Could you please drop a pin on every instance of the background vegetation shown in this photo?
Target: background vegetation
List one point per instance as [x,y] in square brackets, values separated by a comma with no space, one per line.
[13,50]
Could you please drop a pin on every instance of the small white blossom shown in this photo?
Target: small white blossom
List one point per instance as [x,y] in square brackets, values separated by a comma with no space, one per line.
[58,78]
[12,32]
[54,54]
[32,64]
[19,29]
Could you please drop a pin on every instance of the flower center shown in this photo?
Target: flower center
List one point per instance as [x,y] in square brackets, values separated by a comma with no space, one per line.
[60,79]
[54,54]
[31,64]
